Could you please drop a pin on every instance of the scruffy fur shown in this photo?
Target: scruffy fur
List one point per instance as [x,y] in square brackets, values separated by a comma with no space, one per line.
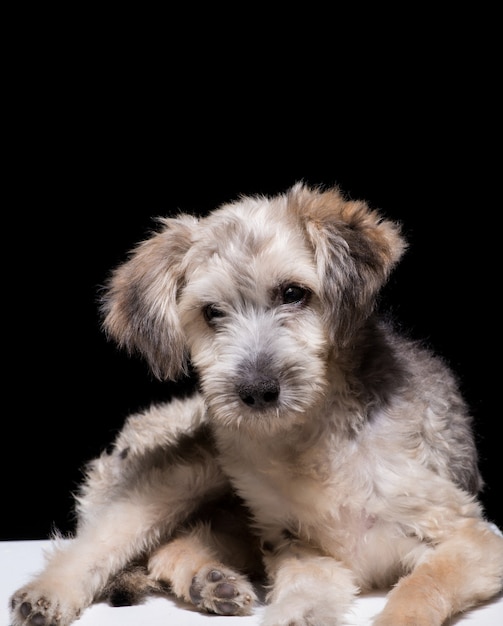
[321,445]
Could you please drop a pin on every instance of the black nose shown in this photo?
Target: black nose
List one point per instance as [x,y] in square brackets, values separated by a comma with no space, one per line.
[259,393]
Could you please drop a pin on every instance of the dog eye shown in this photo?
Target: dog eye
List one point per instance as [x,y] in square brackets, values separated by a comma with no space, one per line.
[294,294]
[212,312]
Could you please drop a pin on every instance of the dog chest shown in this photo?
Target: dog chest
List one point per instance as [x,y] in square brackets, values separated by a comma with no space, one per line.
[280,483]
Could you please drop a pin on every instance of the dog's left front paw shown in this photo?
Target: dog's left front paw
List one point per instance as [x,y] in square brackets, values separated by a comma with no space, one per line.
[222,591]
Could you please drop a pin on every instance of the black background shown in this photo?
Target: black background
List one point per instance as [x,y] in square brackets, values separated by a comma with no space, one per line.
[100,141]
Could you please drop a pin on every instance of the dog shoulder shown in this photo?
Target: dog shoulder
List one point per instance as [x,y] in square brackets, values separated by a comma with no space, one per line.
[420,397]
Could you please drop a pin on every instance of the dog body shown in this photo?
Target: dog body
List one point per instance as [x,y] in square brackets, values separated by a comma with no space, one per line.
[349,444]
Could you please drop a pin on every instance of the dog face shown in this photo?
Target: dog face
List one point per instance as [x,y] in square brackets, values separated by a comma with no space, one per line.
[259,296]
[251,315]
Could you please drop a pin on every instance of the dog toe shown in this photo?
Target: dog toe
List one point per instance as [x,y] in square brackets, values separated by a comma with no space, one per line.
[30,607]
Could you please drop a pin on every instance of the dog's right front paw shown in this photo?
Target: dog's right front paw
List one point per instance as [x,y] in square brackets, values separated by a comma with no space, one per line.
[301,609]
[32,608]
[222,591]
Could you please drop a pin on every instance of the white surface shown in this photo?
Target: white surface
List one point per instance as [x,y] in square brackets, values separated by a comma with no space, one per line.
[21,559]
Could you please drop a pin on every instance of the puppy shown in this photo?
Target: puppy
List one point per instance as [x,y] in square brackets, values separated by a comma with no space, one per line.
[319,439]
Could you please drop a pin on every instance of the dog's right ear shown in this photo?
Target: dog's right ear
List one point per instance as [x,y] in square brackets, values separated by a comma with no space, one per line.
[138,304]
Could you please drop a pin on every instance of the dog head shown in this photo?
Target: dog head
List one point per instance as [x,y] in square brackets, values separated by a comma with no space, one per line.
[257,295]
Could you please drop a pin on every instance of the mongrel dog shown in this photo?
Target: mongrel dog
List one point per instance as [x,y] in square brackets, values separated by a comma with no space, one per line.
[349,445]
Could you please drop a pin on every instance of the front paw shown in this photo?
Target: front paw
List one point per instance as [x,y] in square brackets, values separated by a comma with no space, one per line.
[32,607]
[222,591]
[302,611]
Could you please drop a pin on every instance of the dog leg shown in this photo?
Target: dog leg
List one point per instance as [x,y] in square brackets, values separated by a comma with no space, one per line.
[78,570]
[465,570]
[205,564]
[308,589]
[192,567]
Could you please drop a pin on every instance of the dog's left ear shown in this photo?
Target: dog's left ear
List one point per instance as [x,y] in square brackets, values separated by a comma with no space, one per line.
[139,302]
[355,250]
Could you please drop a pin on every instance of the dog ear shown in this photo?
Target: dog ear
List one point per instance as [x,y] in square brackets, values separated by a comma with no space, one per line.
[139,302]
[355,250]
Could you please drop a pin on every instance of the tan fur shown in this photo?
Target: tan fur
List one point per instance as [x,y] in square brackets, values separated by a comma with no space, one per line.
[321,446]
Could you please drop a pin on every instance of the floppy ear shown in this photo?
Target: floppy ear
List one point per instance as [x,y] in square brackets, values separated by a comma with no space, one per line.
[139,302]
[355,250]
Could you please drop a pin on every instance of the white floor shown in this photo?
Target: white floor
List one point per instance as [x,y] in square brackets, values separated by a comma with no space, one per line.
[20,559]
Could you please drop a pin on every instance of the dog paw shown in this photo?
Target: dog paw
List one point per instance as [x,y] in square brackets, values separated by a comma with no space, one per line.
[294,613]
[32,608]
[222,591]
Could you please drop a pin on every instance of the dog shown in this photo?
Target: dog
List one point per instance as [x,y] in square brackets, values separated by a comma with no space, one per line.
[323,449]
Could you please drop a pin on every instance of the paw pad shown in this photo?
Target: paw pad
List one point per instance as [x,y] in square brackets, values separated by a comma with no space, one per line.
[35,620]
